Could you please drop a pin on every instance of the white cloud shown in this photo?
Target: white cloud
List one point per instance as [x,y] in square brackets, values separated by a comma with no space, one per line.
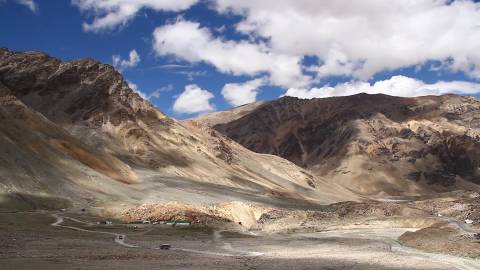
[395,86]
[242,93]
[192,74]
[172,66]
[362,38]
[193,100]
[157,92]
[190,42]
[109,14]
[30,4]
[132,61]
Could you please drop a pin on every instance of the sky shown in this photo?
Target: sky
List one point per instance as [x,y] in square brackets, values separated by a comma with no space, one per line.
[190,57]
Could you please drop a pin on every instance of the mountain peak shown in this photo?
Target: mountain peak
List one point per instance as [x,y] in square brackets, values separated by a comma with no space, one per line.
[78,90]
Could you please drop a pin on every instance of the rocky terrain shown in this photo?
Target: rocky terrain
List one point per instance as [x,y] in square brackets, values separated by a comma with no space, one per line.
[376,145]
[74,132]
[344,182]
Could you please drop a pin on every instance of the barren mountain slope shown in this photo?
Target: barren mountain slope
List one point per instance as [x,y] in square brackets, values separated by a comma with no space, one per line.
[88,114]
[372,144]
[42,165]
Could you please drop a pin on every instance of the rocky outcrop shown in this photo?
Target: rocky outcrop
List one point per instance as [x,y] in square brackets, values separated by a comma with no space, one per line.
[73,91]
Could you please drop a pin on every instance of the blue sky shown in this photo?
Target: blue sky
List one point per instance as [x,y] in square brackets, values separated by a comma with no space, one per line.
[259,51]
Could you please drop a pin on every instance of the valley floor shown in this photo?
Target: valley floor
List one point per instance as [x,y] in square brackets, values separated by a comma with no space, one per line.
[57,240]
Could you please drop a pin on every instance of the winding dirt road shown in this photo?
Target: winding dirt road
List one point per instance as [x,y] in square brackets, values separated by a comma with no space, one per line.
[120,239]
[386,236]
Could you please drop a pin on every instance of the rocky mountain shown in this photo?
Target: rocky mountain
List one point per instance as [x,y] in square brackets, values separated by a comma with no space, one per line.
[222,117]
[74,132]
[372,144]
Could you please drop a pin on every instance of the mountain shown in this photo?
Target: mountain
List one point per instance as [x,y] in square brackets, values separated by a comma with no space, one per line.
[74,132]
[222,117]
[375,145]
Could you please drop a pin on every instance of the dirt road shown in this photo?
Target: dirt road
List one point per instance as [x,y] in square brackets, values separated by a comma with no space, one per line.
[120,239]
[376,243]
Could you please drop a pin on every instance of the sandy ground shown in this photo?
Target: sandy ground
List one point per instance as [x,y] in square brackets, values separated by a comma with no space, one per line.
[46,240]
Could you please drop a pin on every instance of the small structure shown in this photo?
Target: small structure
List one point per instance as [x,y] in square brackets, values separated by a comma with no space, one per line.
[146,222]
[104,222]
[468,221]
[165,246]
[182,223]
[158,222]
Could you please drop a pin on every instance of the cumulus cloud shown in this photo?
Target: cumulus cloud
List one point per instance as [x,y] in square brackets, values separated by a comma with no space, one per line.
[132,61]
[193,100]
[362,38]
[109,14]
[242,93]
[30,4]
[188,41]
[395,86]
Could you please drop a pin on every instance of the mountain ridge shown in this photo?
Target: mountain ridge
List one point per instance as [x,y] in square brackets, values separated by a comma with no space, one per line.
[433,139]
[94,114]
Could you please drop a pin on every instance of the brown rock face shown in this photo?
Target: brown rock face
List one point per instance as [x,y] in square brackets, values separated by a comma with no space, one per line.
[76,129]
[73,91]
[304,131]
[371,143]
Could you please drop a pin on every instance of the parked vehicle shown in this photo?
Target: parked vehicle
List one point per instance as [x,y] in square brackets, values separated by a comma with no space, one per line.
[165,247]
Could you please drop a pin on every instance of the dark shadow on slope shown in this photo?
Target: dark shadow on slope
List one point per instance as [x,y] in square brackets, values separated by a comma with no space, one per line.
[25,201]
[307,131]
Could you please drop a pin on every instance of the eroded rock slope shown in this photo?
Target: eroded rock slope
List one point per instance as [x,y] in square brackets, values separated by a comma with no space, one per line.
[372,144]
[77,126]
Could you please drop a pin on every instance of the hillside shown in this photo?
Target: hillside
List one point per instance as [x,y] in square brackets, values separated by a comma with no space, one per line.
[75,132]
[376,145]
